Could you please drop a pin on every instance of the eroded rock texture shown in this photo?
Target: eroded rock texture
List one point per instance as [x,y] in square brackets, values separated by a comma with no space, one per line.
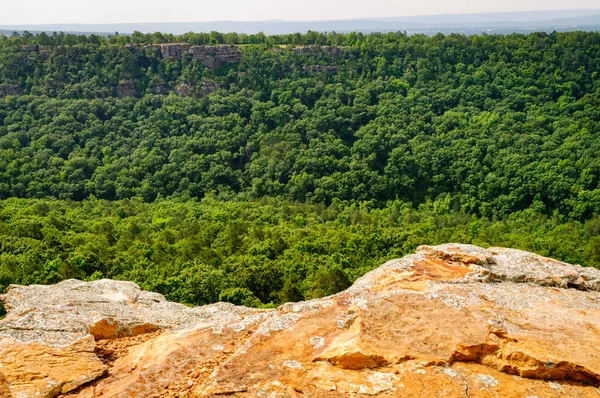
[448,321]
[126,88]
[215,56]
[42,51]
[210,56]
[315,50]
[8,90]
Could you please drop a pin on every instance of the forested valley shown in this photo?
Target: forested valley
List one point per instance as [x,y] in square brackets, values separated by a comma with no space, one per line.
[264,169]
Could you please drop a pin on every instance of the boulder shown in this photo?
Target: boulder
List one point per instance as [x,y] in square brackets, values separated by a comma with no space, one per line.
[451,320]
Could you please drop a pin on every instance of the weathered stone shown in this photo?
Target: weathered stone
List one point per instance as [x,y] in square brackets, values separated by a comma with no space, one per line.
[321,68]
[316,49]
[210,56]
[449,320]
[36,368]
[9,89]
[126,88]
[215,56]
[202,89]
[184,90]
[174,50]
[44,52]
[30,49]
[208,87]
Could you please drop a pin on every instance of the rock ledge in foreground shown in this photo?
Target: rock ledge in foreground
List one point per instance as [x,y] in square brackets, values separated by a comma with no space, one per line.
[451,320]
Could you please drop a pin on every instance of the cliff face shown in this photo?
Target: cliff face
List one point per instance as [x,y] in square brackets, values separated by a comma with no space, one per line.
[126,88]
[215,56]
[9,89]
[210,56]
[43,51]
[451,320]
[314,50]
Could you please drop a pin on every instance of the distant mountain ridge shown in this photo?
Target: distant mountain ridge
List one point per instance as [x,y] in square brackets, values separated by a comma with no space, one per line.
[502,22]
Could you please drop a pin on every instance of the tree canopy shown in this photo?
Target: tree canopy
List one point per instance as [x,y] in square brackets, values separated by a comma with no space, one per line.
[288,174]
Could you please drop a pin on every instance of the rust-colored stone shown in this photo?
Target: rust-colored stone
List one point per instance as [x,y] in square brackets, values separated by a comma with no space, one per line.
[448,321]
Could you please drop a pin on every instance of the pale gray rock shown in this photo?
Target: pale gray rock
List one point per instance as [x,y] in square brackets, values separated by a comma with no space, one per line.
[61,313]
[174,50]
[9,90]
[216,56]
[316,49]
[483,315]
[498,264]
[126,88]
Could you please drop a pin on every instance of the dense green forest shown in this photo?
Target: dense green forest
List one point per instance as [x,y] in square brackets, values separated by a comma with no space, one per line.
[296,165]
[253,253]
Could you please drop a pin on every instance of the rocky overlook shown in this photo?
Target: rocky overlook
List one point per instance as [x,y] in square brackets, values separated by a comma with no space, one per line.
[449,321]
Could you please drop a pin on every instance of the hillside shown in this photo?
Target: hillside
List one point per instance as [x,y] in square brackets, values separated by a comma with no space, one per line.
[451,320]
[264,169]
[492,124]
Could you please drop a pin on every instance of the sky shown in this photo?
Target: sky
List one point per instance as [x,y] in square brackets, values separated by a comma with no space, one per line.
[15,12]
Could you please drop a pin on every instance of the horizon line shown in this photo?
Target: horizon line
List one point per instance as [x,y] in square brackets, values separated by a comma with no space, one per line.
[299,20]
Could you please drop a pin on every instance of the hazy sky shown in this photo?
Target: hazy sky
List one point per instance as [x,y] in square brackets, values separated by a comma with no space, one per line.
[15,12]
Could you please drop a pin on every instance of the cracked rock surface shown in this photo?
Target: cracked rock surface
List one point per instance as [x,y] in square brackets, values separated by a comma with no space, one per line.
[448,321]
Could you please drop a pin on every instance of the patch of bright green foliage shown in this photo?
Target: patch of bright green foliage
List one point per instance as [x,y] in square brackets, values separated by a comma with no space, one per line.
[254,253]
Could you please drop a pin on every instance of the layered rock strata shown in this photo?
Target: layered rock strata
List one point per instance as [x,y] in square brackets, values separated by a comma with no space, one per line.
[210,56]
[9,90]
[126,88]
[43,51]
[449,321]
[316,49]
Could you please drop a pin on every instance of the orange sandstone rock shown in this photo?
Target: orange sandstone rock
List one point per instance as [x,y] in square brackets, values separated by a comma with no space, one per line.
[449,321]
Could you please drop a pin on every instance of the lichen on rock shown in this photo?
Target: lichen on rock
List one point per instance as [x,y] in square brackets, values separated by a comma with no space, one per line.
[449,320]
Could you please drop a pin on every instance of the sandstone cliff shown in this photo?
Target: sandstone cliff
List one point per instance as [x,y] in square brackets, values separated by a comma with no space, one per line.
[126,88]
[448,321]
[215,56]
[9,89]
[43,51]
[315,50]
[210,56]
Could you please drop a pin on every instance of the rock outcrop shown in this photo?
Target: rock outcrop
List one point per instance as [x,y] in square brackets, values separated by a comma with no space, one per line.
[334,51]
[8,90]
[202,89]
[210,56]
[42,51]
[126,88]
[208,87]
[321,68]
[174,50]
[449,321]
[216,56]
